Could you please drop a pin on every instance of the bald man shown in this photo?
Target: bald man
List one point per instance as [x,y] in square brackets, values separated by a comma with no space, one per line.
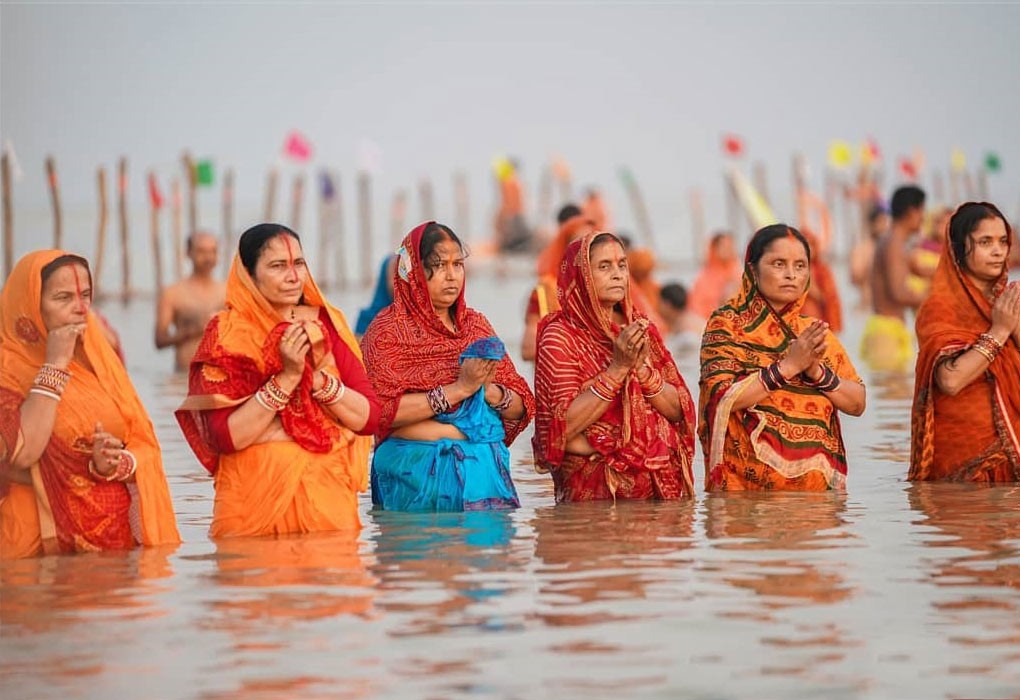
[187,306]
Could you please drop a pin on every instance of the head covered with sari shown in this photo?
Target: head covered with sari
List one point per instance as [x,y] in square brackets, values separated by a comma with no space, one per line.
[240,352]
[949,322]
[795,430]
[100,391]
[408,348]
[579,340]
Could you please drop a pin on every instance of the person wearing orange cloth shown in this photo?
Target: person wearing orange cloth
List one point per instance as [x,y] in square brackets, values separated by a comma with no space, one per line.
[615,419]
[595,208]
[279,406]
[823,293]
[80,467]
[773,382]
[719,277]
[966,417]
[543,300]
[512,232]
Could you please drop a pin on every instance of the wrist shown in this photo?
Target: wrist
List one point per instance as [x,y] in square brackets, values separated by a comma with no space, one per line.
[617,371]
[288,381]
[786,369]
[813,373]
[1000,333]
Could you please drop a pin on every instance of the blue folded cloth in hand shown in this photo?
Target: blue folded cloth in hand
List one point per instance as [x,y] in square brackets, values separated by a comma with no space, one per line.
[490,348]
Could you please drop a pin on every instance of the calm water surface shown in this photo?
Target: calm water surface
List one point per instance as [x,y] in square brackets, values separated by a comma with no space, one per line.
[892,590]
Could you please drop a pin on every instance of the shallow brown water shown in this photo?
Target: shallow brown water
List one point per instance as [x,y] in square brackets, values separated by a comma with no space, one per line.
[892,590]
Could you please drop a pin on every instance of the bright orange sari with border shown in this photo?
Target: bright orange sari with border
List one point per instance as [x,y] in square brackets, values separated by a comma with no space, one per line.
[791,439]
[302,478]
[64,508]
[975,435]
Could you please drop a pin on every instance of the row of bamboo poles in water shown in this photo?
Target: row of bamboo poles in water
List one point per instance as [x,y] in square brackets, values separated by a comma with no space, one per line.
[838,199]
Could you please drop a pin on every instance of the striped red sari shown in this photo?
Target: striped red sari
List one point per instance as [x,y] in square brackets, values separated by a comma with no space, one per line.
[639,454]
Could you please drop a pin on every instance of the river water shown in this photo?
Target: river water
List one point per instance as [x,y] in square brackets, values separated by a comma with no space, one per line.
[892,590]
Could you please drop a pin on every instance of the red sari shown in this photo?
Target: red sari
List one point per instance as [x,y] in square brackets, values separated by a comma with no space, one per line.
[408,349]
[975,435]
[639,454]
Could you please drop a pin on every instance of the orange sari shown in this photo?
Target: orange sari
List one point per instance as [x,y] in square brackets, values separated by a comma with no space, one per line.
[975,435]
[304,473]
[543,298]
[710,288]
[56,505]
[789,440]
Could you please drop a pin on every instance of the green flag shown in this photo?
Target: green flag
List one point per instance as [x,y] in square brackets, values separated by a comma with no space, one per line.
[992,162]
[204,173]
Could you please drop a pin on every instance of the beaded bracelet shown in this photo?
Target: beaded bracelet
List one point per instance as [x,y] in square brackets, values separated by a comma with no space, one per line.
[985,352]
[505,399]
[333,389]
[772,378]
[988,346]
[438,401]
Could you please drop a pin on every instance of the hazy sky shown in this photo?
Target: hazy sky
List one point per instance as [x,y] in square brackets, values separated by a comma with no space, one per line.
[441,87]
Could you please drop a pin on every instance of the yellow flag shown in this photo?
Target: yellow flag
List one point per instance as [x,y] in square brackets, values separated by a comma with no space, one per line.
[958,160]
[502,167]
[758,210]
[840,154]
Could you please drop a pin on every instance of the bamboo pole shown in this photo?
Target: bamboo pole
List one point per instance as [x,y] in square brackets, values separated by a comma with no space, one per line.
[428,200]
[732,207]
[545,197]
[398,211]
[54,185]
[968,186]
[939,187]
[175,228]
[637,201]
[954,187]
[269,205]
[157,252]
[122,207]
[325,225]
[296,200]
[982,185]
[104,218]
[8,214]
[191,182]
[760,177]
[340,260]
[365,226]
[226,253]
[462,211]
[698,224]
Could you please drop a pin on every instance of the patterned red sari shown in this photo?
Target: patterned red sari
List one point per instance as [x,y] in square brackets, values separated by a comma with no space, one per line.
[638,453]
[57,504]
[975,435]
[408,349]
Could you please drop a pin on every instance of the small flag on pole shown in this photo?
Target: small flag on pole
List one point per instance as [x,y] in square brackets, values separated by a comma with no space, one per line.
[733,145]
[155,196]
[957,160]
[907,168]
[326,185]
[992,162]
[870,153]
[296,147]
[840,154]
[204,173]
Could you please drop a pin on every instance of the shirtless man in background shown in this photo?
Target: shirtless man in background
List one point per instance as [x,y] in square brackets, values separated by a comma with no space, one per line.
[888,343]
[188,305]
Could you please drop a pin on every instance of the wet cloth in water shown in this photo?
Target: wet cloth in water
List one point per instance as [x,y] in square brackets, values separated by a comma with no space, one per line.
[449,475]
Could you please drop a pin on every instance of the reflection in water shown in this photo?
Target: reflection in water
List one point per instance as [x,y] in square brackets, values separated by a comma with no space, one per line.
[974,548]
[45,602]
[593,556]
[783,549]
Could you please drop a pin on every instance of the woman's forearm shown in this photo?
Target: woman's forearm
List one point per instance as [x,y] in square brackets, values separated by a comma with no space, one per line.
[583,411]
[352,410]
[849,397]
[667,402]
[414,408]
[38,416]
[247,423]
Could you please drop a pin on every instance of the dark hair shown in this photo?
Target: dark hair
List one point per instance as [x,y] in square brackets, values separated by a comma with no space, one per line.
[434,234]
[904,199]
[764,237]
[254,240]
[567,212]
[965,221]
[718,236]
[603,238]
[674,294]
[625,240]
[876,211]
[66,259]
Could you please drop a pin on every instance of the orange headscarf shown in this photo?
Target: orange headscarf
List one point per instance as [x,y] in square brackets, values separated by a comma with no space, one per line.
[240,351]
[975,435]
[72,503]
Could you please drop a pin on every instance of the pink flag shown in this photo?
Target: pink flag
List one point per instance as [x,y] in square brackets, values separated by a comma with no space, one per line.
[297,147]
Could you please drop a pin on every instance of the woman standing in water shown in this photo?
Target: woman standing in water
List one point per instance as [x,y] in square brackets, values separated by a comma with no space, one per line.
[966,418]
[773,382]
